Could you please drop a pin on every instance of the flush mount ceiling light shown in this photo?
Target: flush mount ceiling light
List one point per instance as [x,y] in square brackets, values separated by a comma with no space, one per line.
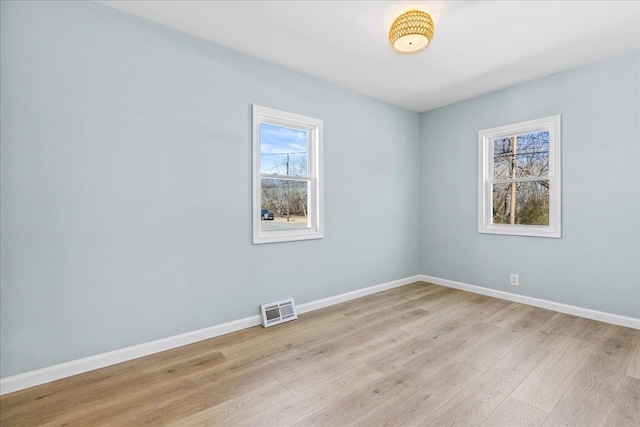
[411,32]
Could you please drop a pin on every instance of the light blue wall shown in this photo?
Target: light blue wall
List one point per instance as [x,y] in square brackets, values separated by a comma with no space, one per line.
[596,264]
[126,185]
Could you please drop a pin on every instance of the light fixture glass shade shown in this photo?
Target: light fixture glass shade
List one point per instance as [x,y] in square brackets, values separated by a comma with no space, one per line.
[411,32]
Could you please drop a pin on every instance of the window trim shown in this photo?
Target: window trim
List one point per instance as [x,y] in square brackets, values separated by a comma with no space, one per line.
[315,175]
[552,124]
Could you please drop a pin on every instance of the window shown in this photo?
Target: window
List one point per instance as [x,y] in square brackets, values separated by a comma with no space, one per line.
[519,179]
[287,176]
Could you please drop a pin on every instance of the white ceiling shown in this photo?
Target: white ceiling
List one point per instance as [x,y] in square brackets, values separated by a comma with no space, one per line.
[478,46]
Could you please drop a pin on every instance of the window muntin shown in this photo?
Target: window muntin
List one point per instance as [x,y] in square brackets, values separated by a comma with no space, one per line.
[287,183]
[519,179]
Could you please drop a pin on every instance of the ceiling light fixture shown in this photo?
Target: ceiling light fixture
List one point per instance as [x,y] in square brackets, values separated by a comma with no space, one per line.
[411,32]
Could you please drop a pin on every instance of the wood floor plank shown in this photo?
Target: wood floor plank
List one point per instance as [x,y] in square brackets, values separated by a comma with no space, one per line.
[455,310]
[290,334]
[597,382]
[534,318]
[587,329]
[482,308]
[430,391]
[210,388]
[304,404]
[475,403]
[350,410]
[208,391]
[575,327]
[43,402]
[508,315]
[508,373]
[559,324]
[378,301]
[626,408]
[486,353]
[263,353]
[242,405]
[514,412]
[149,417]
[420,354]
[375,320]
[290,357]
[431,344]
[544,387]
[446,350]
[452,422]
[105,402]
[392,318]
[572,414]
[347,356]
[445,298]
[119,408]
[373,304]
[634,365]
[199,360]
[621,333]
[423,289]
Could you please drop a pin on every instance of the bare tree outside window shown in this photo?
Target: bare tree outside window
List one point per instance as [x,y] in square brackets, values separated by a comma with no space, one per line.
[521,156]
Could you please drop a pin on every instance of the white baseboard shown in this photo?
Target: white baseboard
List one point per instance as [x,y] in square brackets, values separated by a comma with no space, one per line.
[615,319]
[75,367]
[79,366]
[316,305]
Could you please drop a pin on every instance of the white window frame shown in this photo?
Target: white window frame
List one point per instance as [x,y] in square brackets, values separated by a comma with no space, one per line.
[552,124]
[315,179]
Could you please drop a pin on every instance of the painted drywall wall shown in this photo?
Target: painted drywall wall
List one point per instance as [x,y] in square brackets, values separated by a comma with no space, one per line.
[596,263]
[126,185]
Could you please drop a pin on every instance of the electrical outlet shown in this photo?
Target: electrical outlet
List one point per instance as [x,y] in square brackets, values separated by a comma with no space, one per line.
[514,280]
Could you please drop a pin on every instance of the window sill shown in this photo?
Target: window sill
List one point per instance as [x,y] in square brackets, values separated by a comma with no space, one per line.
[521,230]
[271,237]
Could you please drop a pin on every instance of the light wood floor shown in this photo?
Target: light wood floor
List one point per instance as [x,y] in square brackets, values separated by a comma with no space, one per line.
[416,355]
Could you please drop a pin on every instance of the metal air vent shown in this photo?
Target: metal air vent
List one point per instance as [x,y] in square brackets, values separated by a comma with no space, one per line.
[278,312]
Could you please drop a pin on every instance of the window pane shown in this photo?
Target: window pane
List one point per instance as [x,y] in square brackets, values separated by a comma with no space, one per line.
[501,203]
[283,151]
[529,157]
[502,158]
[531,203]
[284,204]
